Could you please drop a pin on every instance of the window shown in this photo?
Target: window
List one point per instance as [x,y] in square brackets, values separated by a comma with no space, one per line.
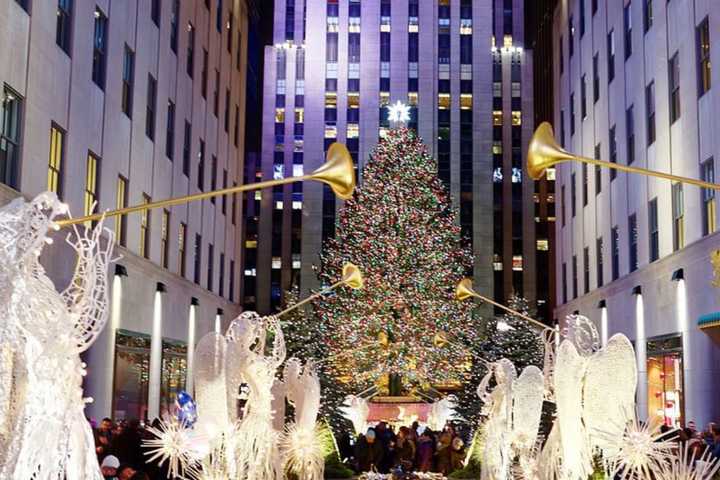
[213,176]
[55,165]
[164,243]
[583,97]
[131,373]
[64,25]
[596,78]
[703,53]
[562,204]
[627,23]
[233,206]
[678,208]
[653,231]
[630,134]
[221,279]
[574,277]
[615,252]
[599,259]
[572,114]
[611,55]
[581,8]
[128,81]
[564,282]
[170,131]
[121,194]
[216,94]
[236,129]
[182,241]
[187,147]
[650,111]
[231,21]
[155,11]
[633,242]
[586,269]
[92,172]
[218,19]
[708,197]
[10,125]
[571,37]
[231,288]
[573,189]
[585,184]
[561,55]
[145,228]
[204,74]
[647,14]
[24,4]
[190,62]
[674,74]
[594,6]
[227,110]
[99,49]
[174,21]
[224,197]
[613,152]
[210,264]
[201,167]
[150,108]
[198,258]
[598,171]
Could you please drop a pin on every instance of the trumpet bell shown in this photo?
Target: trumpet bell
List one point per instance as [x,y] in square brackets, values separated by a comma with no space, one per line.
[544,152]
[464,289]
[352,276]
[338,171]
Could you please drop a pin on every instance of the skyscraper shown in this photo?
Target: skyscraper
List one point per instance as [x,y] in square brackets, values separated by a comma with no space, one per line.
[116,103]
[634,86]
[335,68]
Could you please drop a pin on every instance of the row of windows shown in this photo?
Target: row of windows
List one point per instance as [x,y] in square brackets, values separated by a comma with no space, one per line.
[709,218]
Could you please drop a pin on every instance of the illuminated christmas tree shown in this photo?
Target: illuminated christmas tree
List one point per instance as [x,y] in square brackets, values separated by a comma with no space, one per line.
[399,228]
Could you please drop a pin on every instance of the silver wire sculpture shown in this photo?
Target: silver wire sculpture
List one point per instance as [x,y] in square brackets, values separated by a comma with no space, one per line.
[44,434]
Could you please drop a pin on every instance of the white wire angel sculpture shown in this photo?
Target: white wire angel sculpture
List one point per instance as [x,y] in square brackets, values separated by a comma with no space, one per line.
[256,452]
[45,435]
[357,410]
[302,443]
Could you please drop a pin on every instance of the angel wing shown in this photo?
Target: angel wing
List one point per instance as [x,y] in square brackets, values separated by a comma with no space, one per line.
[609,392]
[569,374]
[528,392]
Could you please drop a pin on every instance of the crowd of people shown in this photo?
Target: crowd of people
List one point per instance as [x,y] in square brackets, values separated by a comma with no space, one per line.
[120,451]
[699,442]
[413,448]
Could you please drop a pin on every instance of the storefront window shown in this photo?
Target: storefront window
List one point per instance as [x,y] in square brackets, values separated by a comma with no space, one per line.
[132,374]
[174,369]
[665,379]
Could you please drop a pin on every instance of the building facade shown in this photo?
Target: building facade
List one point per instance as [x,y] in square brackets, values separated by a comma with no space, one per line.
[634,85]
[335,68]
[123,102]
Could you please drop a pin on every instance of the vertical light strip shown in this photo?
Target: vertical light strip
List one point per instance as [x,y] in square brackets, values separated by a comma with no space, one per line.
[682,320]
[218,323]
[155,360]
[641,353]
[115,304]
[191,350]
[603,326]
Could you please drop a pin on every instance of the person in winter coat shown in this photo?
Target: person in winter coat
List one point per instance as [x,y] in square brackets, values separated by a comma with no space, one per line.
[457,454]
[368,452]
[442,453]
[405,449]
[425,449]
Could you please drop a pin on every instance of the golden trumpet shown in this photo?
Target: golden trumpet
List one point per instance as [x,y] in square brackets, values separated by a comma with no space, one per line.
[351,276]
[464,291]
[338,172]
[544,152]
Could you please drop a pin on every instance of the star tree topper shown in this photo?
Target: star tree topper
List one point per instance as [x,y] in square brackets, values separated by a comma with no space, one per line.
[399,113]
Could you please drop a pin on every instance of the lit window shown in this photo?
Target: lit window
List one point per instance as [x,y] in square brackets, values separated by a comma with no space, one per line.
[299,115]
[54,176]
[550,173]
[384,99]
[91,179]
[353,130]
[466,101]
[296,205]
[443,101]
[332,24]
[276,262]
[517,263]
[250,243]
[279,115]
[384,70]
[412,98]
[444,71]
[465,71]
[413,24]
[353,99]
[296,261]
[330,99]
[413,70]
[354,70]
[280,87]
[542,245]
[514,90]
[497,147]
[298,171]
[507,41]
[497,263]
[516,118]
[383,132]
[299,87]
[354,25]
[516,175]
[251,272]
[279,205]
[497,175]
[331,70]
[121,202]
[385,24]
[145,229]
[330,131]
[164,244]
[258,195]
[278,171]
[182,237]
[466,26]
[497,117]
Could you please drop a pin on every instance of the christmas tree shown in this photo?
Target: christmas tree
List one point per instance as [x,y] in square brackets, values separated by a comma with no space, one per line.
[400,229]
